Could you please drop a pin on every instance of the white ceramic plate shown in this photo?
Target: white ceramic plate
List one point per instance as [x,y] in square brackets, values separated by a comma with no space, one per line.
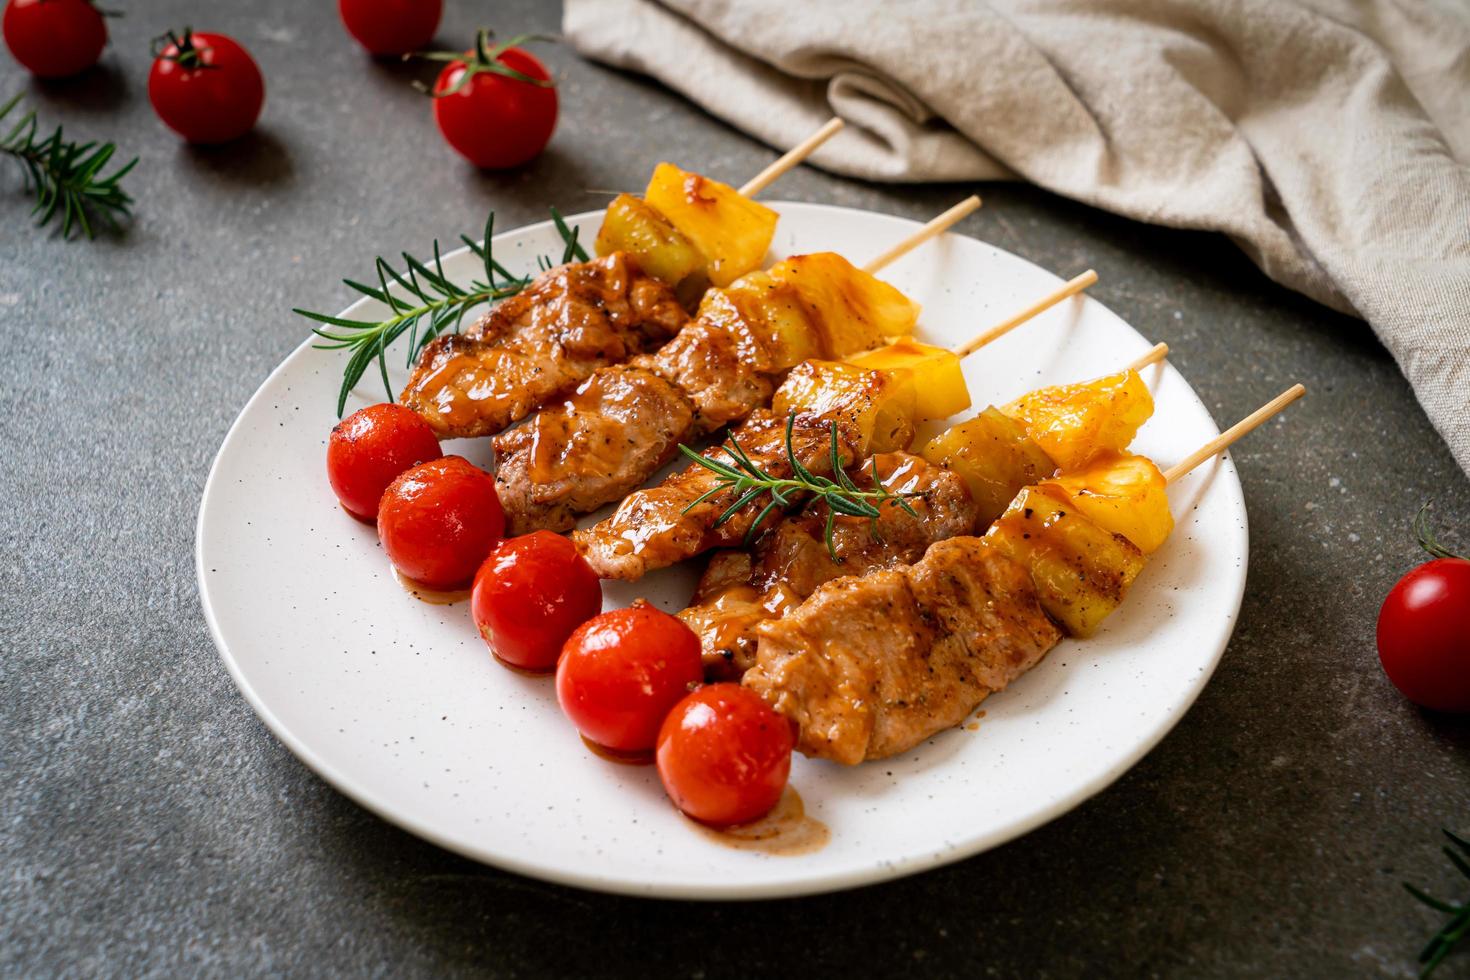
[398,704]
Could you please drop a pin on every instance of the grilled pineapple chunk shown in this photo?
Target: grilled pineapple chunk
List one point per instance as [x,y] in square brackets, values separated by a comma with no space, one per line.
[733,233]
[1076,422]
[939,382]
[875,408]
[993,455]
[1124,494]
[1081,571]
[632,226]
[857,310]
[778,310]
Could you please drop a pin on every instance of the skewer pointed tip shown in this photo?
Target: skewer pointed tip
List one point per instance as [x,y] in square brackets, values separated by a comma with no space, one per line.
[1231,435]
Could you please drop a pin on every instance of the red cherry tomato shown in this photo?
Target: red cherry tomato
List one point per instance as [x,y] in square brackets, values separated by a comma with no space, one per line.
[391,26]
[205,87]
[530,594]
[369,448]
[1424,635]
[439,520]
[492,119]
[724,755]
[622,671]
[54,38]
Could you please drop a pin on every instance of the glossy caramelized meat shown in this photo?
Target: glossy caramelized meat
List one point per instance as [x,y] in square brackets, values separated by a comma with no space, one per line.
[790,560]
[620,425]
[870,666]
[657,526]
[540,344]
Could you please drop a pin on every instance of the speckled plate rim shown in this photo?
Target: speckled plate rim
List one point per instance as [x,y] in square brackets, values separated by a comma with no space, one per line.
[947,853]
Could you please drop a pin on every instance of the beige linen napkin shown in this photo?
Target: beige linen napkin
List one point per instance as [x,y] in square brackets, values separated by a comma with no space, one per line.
[1329,138]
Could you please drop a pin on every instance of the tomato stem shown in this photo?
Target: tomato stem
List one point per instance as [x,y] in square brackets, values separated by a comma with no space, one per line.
[1426,538]
[483,59]
[185,54]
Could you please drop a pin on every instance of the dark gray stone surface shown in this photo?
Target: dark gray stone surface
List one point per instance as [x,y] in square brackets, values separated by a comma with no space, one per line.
[151,825]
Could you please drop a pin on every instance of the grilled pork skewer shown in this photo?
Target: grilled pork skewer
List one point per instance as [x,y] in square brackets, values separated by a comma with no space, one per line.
[577,317]
[682,517]
[989,461]
[623,423]
[870,666]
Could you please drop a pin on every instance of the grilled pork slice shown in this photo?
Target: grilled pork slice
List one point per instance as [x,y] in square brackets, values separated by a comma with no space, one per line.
[660,525]
[620,424]
[791,560]
[540,344]
[870,666]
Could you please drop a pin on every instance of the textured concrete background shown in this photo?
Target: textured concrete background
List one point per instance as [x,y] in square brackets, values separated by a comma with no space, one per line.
[150,824]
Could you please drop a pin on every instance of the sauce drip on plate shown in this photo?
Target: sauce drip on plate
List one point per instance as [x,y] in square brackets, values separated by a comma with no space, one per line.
[436,597]
[785,831]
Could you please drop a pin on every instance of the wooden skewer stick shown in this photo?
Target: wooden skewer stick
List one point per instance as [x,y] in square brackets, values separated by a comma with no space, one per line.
[791,158]
[1157,353]
[934,228]
[1072,287]
[1225,439]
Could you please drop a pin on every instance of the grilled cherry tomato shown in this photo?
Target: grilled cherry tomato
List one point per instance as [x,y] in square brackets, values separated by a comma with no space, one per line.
[724,755]
[622,671]
[54,38]
[205,87]
[488,110]
[391,26]
[530,594]
[1424,630]
[369,448]
[439,520]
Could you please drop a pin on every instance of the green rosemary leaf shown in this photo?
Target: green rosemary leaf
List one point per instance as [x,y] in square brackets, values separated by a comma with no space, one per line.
[569,237]
[801,472]
[1459,842]
[739,504]
[1430,900]
[712,491]
[335,321]
[827,536]
[1457,861]
[754,528]
[376,294]
[724,469]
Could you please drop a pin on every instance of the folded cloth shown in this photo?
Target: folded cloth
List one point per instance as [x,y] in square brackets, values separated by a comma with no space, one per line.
[1329,138]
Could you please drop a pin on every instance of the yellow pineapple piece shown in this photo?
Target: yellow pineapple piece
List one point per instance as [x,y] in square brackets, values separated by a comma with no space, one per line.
[993,455]
[1124,494]
[632,226]
[773,314]
[733,233]
[1076,422]
[1081,572]
[939,382]
[874,407]
[857,310]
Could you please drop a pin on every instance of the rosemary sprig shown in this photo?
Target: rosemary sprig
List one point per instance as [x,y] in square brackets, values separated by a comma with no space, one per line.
[748,482]
[1458,924]
[425,305]
[66,177]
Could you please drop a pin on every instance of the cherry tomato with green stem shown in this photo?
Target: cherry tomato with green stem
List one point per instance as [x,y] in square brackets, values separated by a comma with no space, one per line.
[496,105]
[724,755]
[529,596]
[54,38]
[1424,629]
[388,27]
[439,520]
[205,87]
[622,671]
